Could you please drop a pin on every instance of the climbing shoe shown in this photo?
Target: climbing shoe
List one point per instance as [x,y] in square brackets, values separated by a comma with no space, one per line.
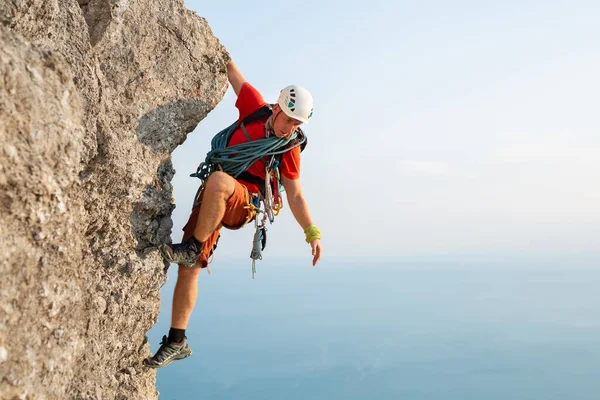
[167,353]
[185,253]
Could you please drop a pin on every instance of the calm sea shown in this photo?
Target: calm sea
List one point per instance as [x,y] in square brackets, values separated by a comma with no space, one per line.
[388,332]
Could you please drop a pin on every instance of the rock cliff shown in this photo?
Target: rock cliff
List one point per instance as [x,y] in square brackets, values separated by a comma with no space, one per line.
[94,96]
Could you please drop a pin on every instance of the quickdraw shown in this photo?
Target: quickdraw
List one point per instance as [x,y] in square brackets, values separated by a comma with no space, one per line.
[277,200]
[259,241]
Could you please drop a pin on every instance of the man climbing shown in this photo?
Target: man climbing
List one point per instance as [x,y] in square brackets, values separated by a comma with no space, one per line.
[226,201]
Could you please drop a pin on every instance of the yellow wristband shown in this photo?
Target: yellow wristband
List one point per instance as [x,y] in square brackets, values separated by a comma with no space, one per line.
[312,233]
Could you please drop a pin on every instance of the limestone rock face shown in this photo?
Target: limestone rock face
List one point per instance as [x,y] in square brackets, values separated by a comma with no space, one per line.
[94,96]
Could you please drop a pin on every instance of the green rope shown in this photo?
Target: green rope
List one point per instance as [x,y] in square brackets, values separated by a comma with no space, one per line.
[238,158]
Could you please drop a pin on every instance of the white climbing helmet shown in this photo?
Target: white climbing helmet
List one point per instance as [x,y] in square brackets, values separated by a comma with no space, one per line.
[296,102]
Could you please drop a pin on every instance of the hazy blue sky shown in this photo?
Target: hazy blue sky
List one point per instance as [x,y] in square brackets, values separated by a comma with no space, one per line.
[443,133]
[440,128]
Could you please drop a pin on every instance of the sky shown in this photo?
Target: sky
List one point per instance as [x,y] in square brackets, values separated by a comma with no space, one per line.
[441,129]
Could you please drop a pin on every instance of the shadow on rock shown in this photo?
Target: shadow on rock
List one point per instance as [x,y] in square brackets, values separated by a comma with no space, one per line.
[166,127]
[151,222]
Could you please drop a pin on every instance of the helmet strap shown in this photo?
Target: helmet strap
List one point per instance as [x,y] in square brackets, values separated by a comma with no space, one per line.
[271,122]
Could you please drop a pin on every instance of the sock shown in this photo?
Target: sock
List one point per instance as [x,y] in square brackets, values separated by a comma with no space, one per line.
[194,244]
[176,335]
[198,243]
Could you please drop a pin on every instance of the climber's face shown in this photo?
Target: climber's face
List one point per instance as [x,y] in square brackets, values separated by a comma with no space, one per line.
[283,125]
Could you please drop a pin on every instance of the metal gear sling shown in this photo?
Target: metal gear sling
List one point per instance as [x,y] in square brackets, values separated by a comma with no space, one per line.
[237,159]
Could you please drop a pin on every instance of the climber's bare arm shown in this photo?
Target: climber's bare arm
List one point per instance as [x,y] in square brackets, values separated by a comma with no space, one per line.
[236,79]
[299,208]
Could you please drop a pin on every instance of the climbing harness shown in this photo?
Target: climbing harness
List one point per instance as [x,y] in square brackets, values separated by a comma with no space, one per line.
[235,160]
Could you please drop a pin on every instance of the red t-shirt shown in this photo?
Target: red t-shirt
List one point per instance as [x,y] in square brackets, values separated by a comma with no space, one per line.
[248,101]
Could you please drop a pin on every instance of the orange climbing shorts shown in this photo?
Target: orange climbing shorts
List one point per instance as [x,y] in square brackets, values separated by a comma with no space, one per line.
[236,215]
